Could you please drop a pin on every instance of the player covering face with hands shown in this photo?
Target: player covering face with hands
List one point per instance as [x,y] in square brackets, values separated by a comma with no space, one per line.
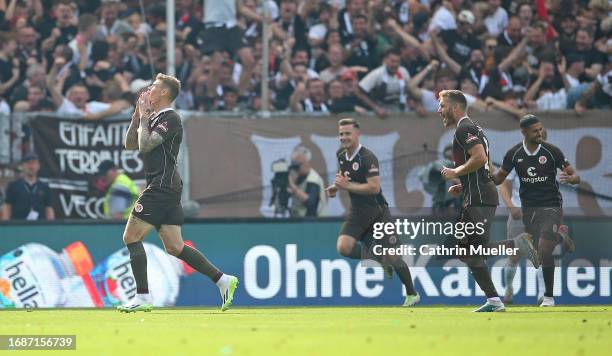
[156,131]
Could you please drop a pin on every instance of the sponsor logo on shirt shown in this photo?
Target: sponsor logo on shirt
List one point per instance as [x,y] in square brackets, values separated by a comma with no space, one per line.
[373,169]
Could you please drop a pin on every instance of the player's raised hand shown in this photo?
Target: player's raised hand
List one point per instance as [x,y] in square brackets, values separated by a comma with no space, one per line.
[145,104]
[448,173]
[331,191]
[455,190]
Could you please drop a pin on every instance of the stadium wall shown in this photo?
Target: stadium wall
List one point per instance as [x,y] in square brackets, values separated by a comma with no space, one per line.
[291,262]
[244,150]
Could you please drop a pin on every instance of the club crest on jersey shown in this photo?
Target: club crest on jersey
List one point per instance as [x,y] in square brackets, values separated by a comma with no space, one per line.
[542,160]
[470,138]
[355,166]
[138,207]
[163,126]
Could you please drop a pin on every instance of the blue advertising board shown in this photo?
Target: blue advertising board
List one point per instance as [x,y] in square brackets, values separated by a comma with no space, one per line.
[277,262]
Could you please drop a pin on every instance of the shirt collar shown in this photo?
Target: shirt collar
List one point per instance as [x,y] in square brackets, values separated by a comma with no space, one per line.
[458,122]
[530,153]
[163,111]
[354,153]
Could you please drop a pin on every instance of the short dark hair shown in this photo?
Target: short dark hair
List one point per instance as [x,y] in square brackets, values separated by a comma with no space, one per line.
[171,83]
[393,50]
[359,16]
[349,121]
[86,21]
[455,97]
[528,120]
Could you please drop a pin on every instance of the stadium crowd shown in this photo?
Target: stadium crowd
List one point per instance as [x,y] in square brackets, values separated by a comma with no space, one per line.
[90,57]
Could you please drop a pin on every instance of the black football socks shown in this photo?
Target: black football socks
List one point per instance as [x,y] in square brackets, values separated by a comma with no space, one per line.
[200,263]
[138,261]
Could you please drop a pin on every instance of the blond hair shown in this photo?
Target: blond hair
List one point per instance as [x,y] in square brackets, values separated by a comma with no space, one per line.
[455,97]
[349,121]
[171,83]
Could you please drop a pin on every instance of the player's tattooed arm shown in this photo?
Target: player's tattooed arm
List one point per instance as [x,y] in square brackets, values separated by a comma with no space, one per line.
[147,139]
[131,138]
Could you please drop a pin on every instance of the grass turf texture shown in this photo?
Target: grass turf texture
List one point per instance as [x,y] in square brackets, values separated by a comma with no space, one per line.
[335,331]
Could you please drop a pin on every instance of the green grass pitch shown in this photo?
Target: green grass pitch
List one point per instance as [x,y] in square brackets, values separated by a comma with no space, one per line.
[579,330]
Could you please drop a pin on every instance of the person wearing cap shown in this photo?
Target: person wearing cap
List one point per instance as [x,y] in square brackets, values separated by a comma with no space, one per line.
[121,194]
[27,198]
[460,41]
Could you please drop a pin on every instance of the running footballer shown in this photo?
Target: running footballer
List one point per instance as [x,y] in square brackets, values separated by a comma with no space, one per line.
[359,175]
[536,163]
[156,131]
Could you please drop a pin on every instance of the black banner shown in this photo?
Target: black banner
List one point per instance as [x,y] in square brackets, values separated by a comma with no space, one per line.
[70,152]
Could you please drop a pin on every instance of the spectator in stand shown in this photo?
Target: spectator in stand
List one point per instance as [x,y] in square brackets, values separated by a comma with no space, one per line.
[444,17]
[9,65]
[77,101]
[309,96]
[512,35]
[361,45]
[567,28]
[111,25]
[461,41]
[345,18]
[548,91]
[597,95]
[584,46]
[291,24]
[426,98]
[336,64]
[82,43]
[497,18]
[60,26]
[36,101]
[340,101]
[525,14]
[27,198]
[384,89]
[220,34]
[35,76]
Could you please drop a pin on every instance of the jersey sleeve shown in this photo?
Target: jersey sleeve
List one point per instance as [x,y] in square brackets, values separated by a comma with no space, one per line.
[560,160]
[370,165]
[167,126]
[508,164]
[468,137]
